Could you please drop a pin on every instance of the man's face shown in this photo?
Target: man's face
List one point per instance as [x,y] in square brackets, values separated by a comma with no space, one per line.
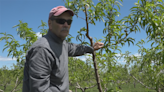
[57,27]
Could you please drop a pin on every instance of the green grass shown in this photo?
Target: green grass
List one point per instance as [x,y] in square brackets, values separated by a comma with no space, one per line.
[125,88]
[138,88]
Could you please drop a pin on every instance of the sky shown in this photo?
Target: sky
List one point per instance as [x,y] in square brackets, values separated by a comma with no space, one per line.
[33,11]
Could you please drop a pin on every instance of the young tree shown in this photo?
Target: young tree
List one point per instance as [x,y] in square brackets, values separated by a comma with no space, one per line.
[116,31]
[146,13]
[81,74]
[11,80]
[151,62]
[18,51]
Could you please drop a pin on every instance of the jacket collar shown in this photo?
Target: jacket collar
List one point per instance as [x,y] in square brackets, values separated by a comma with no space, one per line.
[52,36]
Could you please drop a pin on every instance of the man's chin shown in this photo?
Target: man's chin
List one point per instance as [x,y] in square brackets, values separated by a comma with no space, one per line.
[63,37]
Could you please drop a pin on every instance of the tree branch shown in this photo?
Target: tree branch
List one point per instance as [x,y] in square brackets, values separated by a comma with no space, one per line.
[16,84]
[93,54]
[90,86]
[83,89]
[79,87]
[78,15]
[126,33]
[141,82]
[160,72]
[81,17]
[87,33]
[1,90]
[105,88]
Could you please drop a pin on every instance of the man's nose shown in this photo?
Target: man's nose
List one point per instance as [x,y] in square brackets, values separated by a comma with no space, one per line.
[65,24]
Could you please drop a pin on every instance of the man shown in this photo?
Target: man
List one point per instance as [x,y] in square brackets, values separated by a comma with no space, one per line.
[46,66]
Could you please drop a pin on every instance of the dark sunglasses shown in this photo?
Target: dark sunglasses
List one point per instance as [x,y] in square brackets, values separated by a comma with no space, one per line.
[62,21]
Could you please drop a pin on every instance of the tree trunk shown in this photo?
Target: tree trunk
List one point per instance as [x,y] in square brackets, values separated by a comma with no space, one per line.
[134,84]
[119,87]
[4,87]
[93,54]
[159,90]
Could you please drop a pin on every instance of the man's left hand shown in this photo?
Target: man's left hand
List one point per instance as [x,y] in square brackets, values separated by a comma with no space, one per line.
[98,45]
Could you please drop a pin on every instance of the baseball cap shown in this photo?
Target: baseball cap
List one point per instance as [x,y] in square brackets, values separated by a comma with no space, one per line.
[56,11]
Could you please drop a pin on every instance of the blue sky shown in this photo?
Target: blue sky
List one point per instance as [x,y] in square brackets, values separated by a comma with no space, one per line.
[33,11]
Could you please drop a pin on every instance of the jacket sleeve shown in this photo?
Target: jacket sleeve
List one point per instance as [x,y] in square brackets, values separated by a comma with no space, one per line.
[40,62]
[78,50]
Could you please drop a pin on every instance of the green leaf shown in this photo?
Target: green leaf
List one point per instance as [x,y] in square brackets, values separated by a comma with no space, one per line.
[152,44]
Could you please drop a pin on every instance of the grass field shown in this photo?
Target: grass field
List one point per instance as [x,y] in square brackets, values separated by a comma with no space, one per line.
[125,88]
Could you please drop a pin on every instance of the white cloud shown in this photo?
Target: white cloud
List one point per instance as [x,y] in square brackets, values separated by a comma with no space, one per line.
[81,58]
[122,60]
[118,54]
[6,58]
[84,58]
[39,34]
[137,54]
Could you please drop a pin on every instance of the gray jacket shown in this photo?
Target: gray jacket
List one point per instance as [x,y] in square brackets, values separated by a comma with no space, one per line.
[46,66]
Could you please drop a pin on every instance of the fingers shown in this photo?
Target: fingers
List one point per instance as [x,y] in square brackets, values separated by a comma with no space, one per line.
[98,45]
[101,46]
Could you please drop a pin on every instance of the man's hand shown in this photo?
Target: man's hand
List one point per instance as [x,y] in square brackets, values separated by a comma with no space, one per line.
[98,45]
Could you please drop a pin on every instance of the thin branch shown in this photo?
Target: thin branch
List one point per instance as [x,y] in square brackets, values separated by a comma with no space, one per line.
[141,82]
[90,87]
[80,17]
[16,84]
[86,80]
[105,88]
[161,72]
[79,87]
[87,33]
[126,34]
[83,89]
[17,89]
[93,54]
[1,90]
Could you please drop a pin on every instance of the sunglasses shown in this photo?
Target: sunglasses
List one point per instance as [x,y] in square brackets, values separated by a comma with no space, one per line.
[62,21]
